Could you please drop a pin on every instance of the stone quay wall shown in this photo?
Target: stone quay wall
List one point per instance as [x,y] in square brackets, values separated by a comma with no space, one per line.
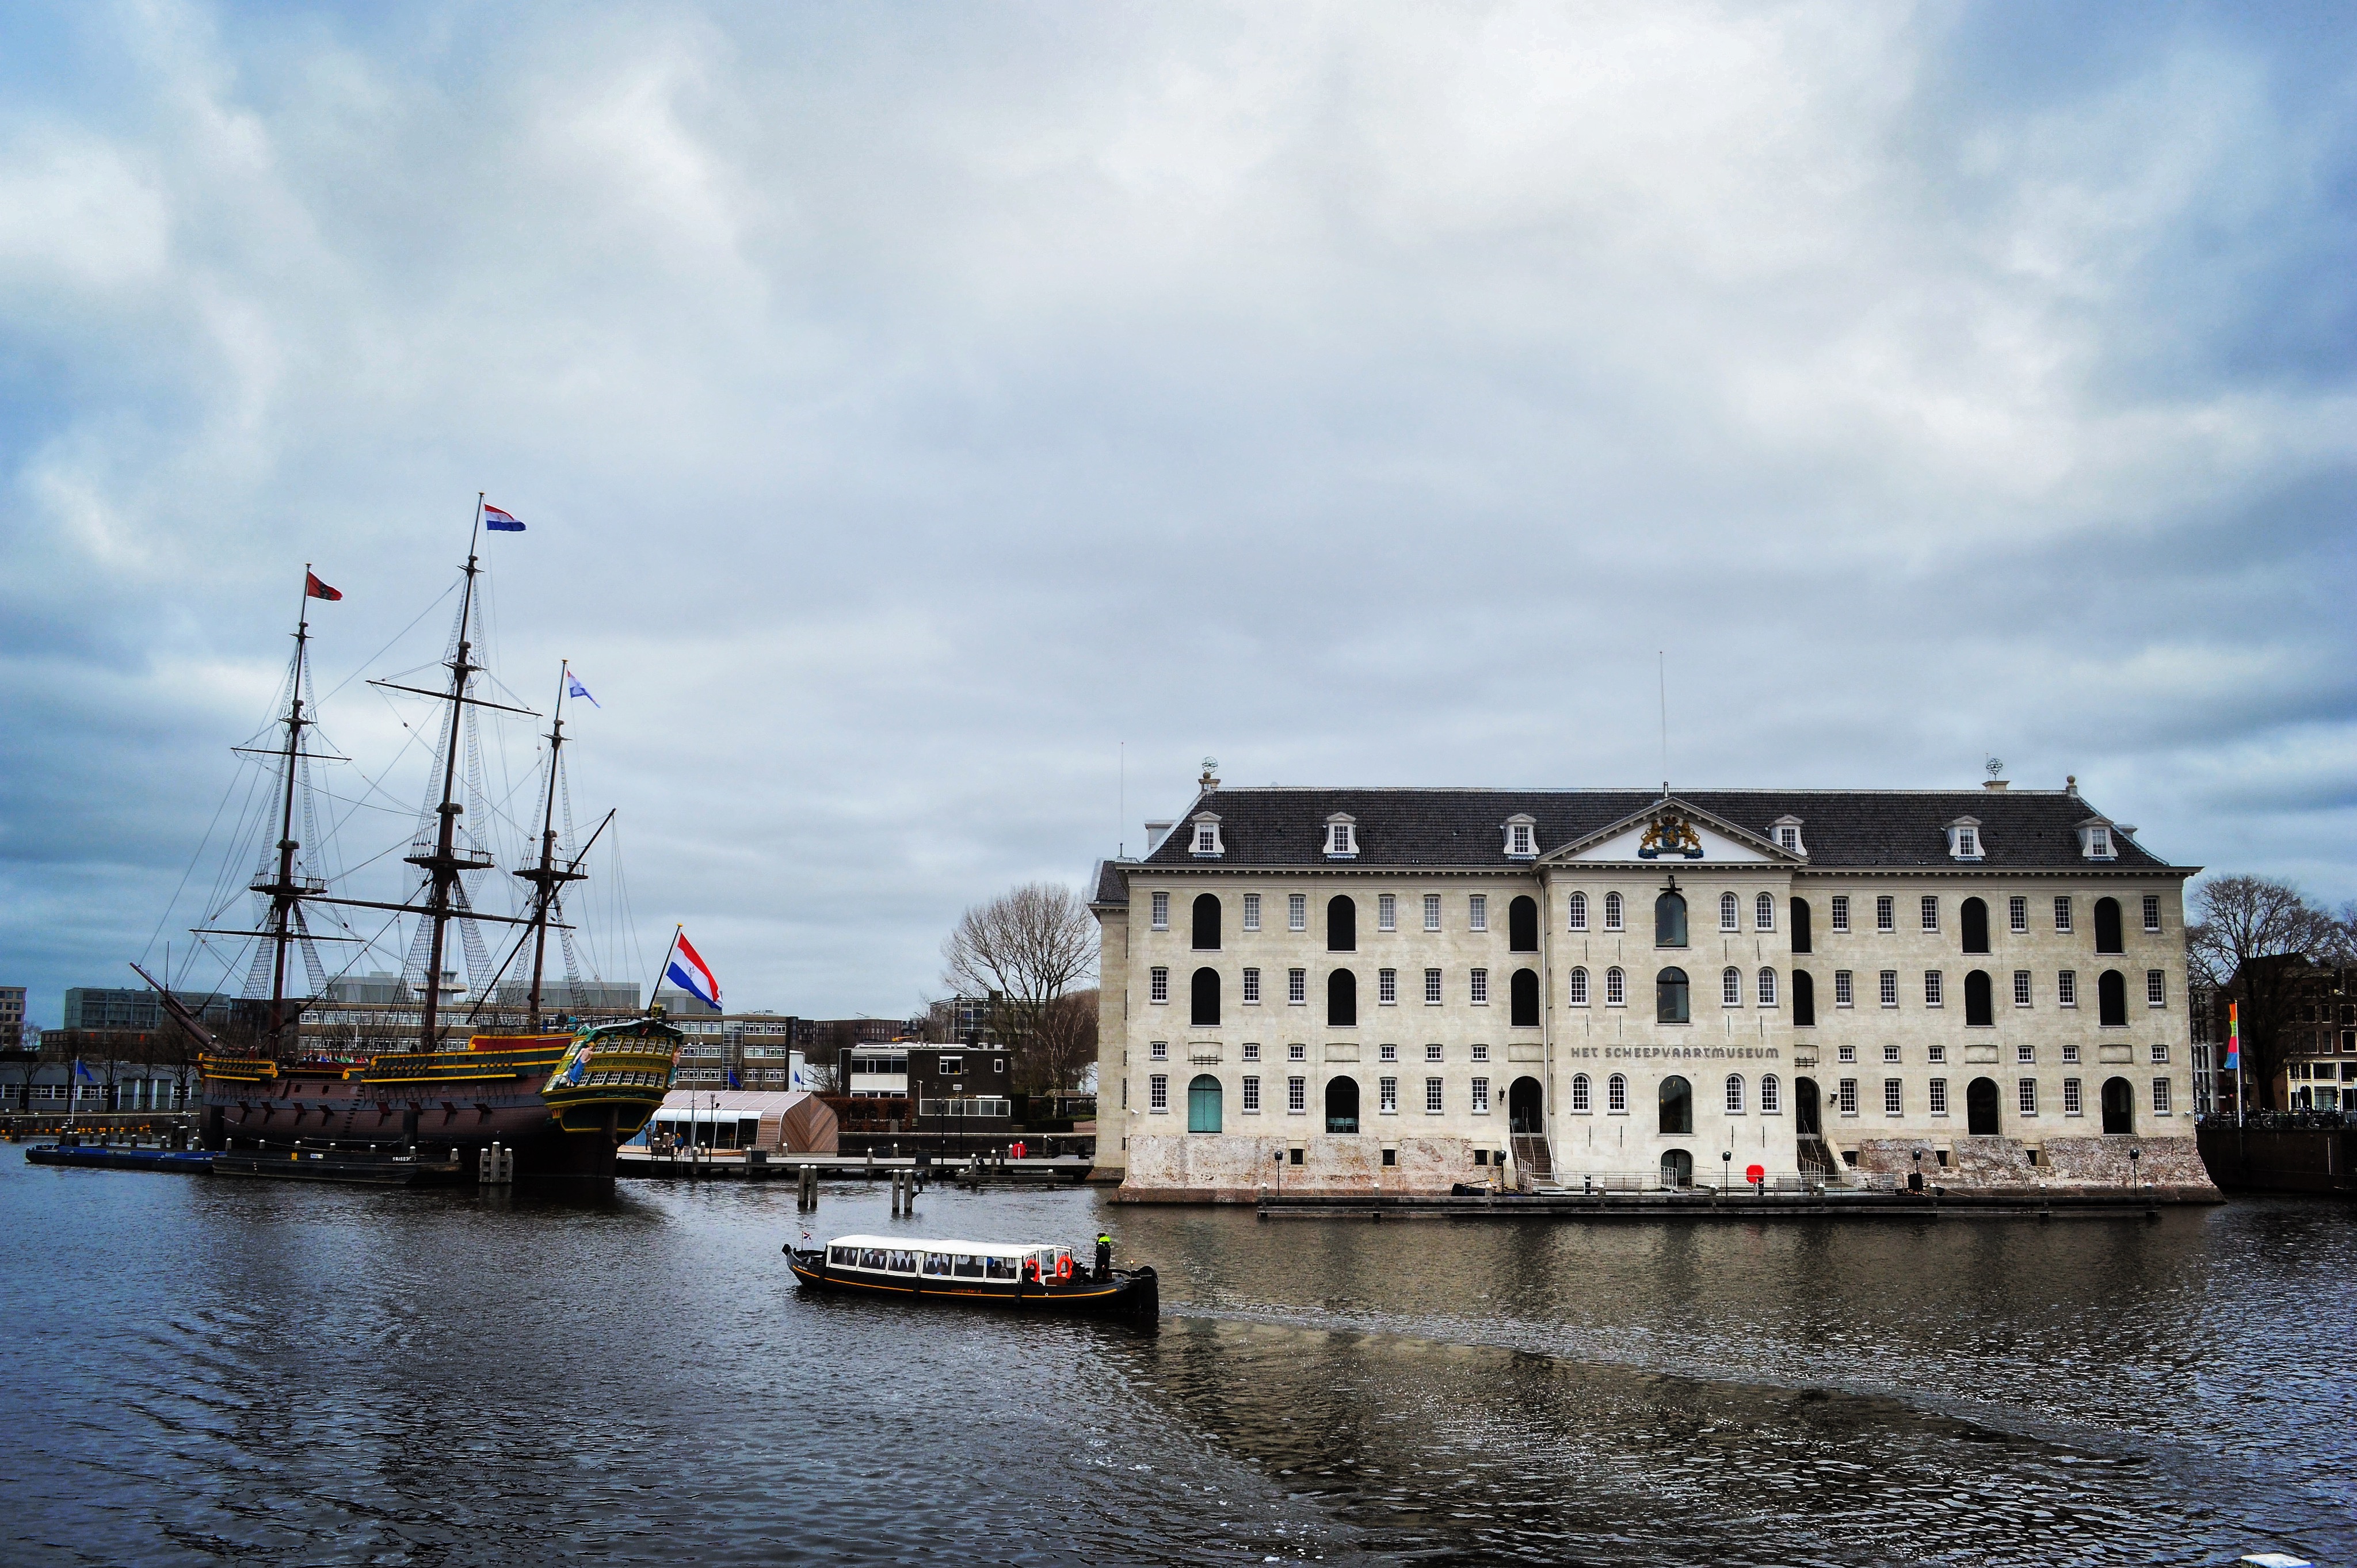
[2092,1165]
[1176,1169]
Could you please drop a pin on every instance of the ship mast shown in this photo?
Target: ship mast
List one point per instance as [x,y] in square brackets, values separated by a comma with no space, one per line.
[444,864]
[548,876]
[283,891]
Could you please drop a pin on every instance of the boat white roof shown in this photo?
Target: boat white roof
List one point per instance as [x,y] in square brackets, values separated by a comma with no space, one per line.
[686,1104]
[930,1244]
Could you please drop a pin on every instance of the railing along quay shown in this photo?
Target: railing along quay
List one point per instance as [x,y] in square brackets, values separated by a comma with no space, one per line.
[1814,1201]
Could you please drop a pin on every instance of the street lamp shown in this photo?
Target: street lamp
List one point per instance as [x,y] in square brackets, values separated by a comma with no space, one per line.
[1726,1170]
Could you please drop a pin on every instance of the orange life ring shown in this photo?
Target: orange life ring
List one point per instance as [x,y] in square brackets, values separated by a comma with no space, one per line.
[1063,1268]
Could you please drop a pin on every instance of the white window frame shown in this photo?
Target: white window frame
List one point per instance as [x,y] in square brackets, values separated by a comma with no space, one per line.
[1936,1092]
[1730,987]
[2160,1097]
[1615,913]
[1894,1097]
[2017,913]
[1480,1096]
[1252,911]
[1251,1094]
[1476,911]
[1845,989]
[1616,1095]
[1432,911]
[1341,838]
[2156,988]
[1771,1095]
[1763,912]
[2025,1096]
[2063,911]
[1845,1097]
[1296,1096]
[1582,1095]
[1297,911]
[1161,910]
[1765,989]
[1432,988]
[1735,1096]
[2022,989]
[1576,906]
[1616,987]
[1387,911]
[1839,915]
[2152,911]
[1435,1051]
[1886,912]
[2074,1098]
[1891,1054]
[2025,1053]
[1935,988]
[1296,988]
[1574,986]
[1387,1053]
[1930,911]
[2160,1053]
[1158,1094]
[1296,1052]
[1206,842]
[1387,1096]
[1730,912]
[1436,1101]
[1387,988]
[1481,1052]
[1157,985]
[1251,987]
[1476,987]
[2066,988]
[1252,1050]
[1888,988]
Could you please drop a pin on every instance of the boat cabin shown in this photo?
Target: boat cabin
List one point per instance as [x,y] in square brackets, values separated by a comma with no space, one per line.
[988,1262]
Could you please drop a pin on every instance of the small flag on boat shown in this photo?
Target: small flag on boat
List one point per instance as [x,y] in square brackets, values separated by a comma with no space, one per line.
[692,974]
[2233,1036]
[498,521]
[315,589]
[573,688]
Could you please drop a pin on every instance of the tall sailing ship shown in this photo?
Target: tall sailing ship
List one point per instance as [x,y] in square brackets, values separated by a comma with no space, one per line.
[562,1095]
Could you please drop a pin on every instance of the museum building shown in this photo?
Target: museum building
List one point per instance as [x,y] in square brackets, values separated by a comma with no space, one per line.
[1393,990]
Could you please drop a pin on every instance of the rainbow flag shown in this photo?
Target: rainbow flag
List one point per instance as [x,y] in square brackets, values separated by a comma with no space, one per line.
[2233,1036]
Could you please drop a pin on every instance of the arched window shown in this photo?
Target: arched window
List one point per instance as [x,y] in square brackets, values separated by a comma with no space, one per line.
[1670,996]
[1612,911]
[1800,925]
[1207,922]
[1576,989]
[1972,915]
[1766,988]
[1735,1094]
[1763,912]
[1522,925]
[1670,920]
[1341,925]
[1805,1000]
[1579,1104]
[1771,1095]
[1730,987]
[1342,1000]
[1677,1106]
[2107,926]
[1616,987]
[1979,1010]
[1203,1011]
[1730,912]
[2119,1107]
[1524,993]
[2112,999]
[1578,904]
[1616,1094]
[1203,1104]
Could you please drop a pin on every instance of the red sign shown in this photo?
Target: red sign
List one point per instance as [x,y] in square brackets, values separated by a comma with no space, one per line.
[1755,1174]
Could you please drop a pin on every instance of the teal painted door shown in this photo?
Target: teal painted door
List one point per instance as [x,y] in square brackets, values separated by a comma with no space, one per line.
[1203,1104]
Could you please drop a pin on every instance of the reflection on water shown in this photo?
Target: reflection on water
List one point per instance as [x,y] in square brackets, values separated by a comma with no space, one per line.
[208,1371]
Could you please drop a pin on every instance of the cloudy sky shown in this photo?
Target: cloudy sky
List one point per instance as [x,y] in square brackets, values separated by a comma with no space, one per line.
[914,408]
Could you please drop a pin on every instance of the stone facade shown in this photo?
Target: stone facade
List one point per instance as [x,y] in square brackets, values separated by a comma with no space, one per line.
[1644,987]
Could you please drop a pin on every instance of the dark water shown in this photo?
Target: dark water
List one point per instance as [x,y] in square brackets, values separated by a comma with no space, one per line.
[208,1370]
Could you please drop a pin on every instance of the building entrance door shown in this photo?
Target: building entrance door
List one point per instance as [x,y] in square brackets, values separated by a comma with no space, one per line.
[2119,1107]
[1203,1104]
[1805,1107]
[1980,1108]
[1342,1105]
[1525,1105]
[1678,1169]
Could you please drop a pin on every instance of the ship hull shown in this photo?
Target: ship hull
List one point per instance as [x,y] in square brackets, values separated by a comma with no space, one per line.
[561,1115]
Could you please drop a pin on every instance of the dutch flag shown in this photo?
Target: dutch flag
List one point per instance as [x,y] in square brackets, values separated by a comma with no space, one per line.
[498,521]
[691,974]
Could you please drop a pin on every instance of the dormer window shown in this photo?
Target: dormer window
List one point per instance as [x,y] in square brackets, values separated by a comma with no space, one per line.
[1341,837]
[2095,840]
[1965,839]
[1788,836]
[1522,838]
[1207,845]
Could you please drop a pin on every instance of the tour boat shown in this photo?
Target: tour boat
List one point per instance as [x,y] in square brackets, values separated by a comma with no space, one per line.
[1033,1276]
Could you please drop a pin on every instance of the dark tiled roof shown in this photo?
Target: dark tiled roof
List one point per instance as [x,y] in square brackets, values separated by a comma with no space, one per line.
[1111,888]
[1840,828]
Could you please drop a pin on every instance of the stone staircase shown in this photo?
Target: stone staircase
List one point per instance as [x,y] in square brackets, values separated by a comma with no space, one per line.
[1534,1159]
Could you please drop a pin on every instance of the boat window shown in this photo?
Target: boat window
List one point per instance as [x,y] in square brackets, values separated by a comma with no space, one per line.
[1002,1267]
[902,1263]
[967,1267]
[872,1258]
[847,1256]
[938,1264]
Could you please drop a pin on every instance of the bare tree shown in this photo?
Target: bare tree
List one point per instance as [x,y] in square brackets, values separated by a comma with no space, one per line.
[1023,949]
[2257,942]
[1067,1042]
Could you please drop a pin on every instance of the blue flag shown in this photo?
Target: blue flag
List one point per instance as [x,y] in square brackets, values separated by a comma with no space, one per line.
[573,688]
